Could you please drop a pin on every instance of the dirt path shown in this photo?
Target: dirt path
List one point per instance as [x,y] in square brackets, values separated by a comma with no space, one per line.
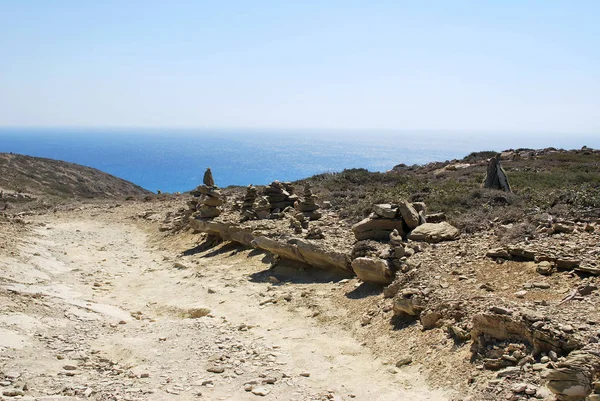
[89,309]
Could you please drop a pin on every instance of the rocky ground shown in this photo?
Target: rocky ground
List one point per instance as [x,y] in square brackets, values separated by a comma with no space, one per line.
[97,304]
[118,300]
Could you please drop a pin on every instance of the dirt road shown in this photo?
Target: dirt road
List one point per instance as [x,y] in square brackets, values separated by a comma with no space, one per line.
[90,308]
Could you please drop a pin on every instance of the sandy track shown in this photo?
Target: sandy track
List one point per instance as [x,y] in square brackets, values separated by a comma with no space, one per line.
[91,310]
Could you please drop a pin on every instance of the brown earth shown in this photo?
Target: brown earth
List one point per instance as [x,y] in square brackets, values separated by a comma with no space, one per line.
[23,178]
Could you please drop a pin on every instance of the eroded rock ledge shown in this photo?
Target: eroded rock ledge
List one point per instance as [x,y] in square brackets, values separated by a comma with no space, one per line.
[296,249]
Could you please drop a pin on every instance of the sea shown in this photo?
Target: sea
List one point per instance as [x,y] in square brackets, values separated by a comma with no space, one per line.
[172,160]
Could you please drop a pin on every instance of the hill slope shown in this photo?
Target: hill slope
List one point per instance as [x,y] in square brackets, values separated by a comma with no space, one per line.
[41,176]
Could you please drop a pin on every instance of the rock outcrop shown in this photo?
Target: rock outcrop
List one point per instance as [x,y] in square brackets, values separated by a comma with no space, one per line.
[295,249]
[496,176]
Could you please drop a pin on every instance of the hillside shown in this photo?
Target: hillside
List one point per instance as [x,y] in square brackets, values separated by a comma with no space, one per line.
[35,176]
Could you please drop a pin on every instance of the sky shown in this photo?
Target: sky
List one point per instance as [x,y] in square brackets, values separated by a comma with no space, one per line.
[507,66]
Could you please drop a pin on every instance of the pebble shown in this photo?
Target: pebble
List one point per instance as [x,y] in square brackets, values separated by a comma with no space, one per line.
[262,391]
[305,374]
[70,367]
[519,388]
[520,294]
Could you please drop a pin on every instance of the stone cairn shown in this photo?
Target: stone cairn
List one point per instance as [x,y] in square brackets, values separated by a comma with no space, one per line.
[210,198]
[280,195]
[496,176]
[308,206]
[248,211]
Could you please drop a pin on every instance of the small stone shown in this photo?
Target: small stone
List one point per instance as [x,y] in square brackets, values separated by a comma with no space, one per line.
[500,310]
[407,360]
[305,374]
[552,355]
[519,388]
[70,367]
[520,294]
[13,393]
[215,369]
[262,391]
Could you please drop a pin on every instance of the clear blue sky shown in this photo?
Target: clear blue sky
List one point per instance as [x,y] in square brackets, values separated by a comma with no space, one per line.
[502,65]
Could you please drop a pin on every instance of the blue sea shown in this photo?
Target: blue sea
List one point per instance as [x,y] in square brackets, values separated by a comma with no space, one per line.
[175,160]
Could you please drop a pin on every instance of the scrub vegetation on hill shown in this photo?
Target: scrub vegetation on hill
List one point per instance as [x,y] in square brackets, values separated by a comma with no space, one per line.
[562,184]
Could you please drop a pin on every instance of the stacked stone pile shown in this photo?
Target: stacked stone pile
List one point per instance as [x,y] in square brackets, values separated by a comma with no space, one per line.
[209,198]
[248,211]
[280,195]
[307,205]
[393,223]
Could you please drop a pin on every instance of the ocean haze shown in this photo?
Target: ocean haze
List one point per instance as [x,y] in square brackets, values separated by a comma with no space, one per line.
[175,160]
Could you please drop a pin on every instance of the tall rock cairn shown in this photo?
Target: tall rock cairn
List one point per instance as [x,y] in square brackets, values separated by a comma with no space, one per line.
[210,197]
[307,205]
[496,176]
[248,211]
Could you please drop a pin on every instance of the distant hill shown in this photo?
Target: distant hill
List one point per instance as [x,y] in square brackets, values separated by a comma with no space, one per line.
[40,176]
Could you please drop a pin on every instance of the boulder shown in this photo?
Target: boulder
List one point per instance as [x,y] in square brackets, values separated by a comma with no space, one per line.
[573,379]
[385,210]
[496,176]
[376,229]
[318,257]
[409,214]
[434,232]
[373,270]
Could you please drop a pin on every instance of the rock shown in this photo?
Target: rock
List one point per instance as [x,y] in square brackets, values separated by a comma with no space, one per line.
[544,268]
[409,214]
[420,207]
[373,270]
[567,263]
[377,229]
[409,306]
[521,252]
[13,393]
[399,252]
[70,367]
[396,238]
[321,258]
[519,387]
[520,294]
[385,210]
[430,320]
[496,176]
[573,378]
[262,391]
[434,232]
[563,228]
[498,253]
[435,217]
[406,360]
[208,178]
[458,333]
[215,369]
[500,310]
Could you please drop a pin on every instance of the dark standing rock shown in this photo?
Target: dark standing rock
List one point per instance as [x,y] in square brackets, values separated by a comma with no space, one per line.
[496,176]
[208,178]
